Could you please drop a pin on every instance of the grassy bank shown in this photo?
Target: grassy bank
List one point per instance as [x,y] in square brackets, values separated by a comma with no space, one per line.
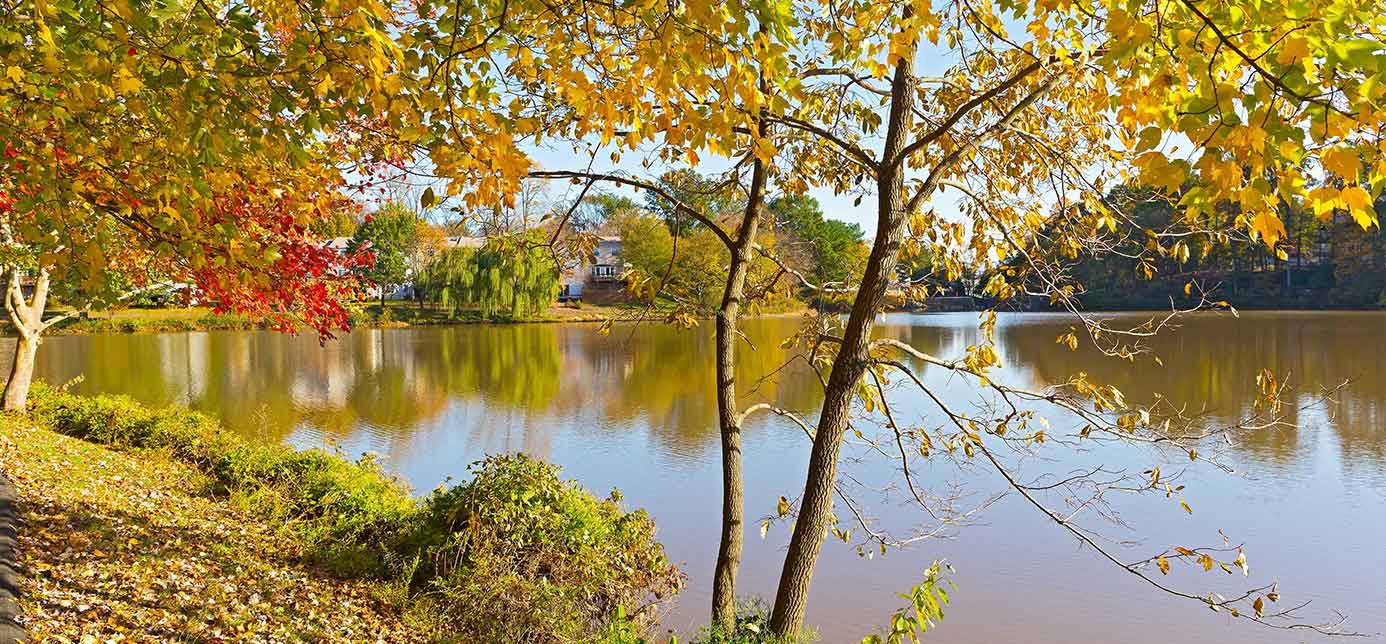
[117,548]
[157,525]
[393,315]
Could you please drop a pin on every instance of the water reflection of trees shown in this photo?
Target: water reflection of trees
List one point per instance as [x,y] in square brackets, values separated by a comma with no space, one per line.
[1210,363]
[394,382]
[665,376]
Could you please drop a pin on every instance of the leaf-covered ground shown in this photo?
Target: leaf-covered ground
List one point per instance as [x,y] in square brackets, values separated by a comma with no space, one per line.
[128,547]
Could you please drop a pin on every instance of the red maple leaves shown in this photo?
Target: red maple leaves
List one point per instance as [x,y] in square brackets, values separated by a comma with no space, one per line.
[296,280]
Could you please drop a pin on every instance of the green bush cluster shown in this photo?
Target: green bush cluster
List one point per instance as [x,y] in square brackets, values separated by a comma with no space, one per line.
[345,511]
[515,555]
[517,540]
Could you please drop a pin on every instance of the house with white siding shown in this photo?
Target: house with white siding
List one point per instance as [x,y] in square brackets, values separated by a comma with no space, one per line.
[602,273]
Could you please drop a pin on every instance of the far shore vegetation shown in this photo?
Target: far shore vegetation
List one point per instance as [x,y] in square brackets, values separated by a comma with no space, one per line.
[394,314]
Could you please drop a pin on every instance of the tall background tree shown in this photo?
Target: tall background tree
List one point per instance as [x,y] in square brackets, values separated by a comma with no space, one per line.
[392,236]
[836,250]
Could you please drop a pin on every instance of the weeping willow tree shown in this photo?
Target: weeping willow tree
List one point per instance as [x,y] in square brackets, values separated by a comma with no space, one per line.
[506,276]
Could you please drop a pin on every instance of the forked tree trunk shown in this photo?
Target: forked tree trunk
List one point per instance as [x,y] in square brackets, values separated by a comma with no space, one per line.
[733,496]
[27,318]
[850,364]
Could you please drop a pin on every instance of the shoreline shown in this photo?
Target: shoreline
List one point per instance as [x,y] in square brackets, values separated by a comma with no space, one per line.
[139,321]
[154,321]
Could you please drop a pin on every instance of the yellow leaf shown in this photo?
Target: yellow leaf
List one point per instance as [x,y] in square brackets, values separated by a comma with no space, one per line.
[1268,226]
[125,82]
[1163,564]
[1206,561]
[1359,203]
[1294,49]
[1323,200]
[1343,162]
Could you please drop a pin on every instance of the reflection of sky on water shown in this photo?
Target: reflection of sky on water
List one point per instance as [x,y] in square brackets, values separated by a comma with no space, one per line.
[635,410]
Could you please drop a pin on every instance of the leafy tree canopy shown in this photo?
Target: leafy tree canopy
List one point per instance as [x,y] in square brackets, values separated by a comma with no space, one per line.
[838,248]
[702,193]
[203,140]
[390,235]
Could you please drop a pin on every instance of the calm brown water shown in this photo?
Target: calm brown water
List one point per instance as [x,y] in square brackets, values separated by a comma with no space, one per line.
[634,410]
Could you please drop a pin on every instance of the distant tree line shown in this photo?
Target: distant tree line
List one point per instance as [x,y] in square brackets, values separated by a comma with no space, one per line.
[1327,260]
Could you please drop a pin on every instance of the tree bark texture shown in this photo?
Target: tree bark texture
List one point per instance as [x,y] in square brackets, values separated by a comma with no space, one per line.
[733,496]
[27,318]
[850,364]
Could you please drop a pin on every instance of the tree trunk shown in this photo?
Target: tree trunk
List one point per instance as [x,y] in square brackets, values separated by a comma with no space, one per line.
[815,511]
[21,373]
[27,318]
[816,508]
[733,501]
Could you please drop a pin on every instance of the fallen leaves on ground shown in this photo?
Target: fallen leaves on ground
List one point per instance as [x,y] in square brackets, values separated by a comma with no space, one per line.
[127,547]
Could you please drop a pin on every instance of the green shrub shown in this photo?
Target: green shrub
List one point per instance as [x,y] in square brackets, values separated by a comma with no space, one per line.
[347,512]
[518,555]
[514,555]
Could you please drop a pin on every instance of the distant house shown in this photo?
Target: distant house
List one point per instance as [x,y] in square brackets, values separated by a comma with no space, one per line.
[338,244]
[607,256]
[466,242]
[602,274]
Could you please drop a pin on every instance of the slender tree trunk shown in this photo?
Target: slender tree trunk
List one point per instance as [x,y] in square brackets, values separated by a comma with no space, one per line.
[815,511]
[27,318]
[816,508]
[733,501]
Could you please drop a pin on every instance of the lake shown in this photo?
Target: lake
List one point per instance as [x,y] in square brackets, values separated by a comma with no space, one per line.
[635,410]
